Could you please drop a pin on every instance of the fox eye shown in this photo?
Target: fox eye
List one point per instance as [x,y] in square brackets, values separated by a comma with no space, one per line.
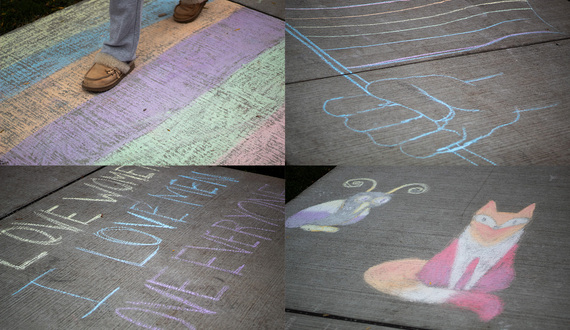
[485,219]
[514,222]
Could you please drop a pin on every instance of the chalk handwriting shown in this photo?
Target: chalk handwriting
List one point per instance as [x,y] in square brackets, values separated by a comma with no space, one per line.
[108,193]
[201,184]
[135,240]
[98,303]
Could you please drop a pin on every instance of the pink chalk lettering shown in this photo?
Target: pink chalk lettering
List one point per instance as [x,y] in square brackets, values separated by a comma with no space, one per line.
[120,312]
[195,307]
[242,206]
[248,215]
[207,235]
[264,190]
[239,229]
[208,264]
[183,289]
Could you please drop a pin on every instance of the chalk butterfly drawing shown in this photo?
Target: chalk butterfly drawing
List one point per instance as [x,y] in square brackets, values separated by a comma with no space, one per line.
[326,216]
[467,271]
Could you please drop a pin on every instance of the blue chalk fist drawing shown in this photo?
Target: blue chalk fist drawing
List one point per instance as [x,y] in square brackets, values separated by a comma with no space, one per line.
[327,216]
[421,115]
[412,113]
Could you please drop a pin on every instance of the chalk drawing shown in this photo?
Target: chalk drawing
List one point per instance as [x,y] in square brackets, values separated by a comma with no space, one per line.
[480,261]
[24,264]
[182,288]
[335,34]
[97,302]
[325,217]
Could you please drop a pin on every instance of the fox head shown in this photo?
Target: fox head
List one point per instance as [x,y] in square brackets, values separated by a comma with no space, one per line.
[489,227]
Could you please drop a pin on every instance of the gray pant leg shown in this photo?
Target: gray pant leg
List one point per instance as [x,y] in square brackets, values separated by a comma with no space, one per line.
[124,30]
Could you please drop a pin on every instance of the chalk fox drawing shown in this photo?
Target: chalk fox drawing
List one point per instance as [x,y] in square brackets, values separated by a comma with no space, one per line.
[465,273]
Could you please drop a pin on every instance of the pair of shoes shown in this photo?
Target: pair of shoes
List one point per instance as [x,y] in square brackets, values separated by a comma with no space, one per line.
[187,13]
[106,73]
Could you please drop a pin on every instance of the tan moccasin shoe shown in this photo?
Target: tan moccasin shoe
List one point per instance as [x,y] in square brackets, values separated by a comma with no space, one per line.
[103,75]
[184,13]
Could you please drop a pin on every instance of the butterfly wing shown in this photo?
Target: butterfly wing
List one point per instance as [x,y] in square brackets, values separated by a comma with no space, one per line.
[355,219]
[313,213]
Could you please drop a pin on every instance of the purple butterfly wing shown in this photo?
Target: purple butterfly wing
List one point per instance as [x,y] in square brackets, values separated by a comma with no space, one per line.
[313,213]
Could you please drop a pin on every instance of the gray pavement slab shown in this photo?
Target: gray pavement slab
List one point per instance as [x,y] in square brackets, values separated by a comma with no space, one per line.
[325,271]
[23,185]
[131,247]
[305,322]
[506,107]
[370,35]
[274,8]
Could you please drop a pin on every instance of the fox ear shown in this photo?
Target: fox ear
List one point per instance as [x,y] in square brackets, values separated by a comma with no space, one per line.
[491,206]
[527,211]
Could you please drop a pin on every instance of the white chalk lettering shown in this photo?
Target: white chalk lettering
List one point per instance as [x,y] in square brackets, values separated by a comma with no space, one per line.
[24,264]
[70,217]
[51,240]
[122,186]
[107,196]
[134,174]
[58,224]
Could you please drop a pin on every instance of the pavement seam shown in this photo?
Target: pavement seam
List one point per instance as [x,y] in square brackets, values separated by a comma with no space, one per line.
[50,193]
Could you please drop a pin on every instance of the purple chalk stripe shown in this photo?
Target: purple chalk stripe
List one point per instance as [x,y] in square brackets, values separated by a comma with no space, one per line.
[169,83]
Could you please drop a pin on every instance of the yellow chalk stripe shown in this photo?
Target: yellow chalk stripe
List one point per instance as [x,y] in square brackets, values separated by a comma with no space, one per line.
[61,92]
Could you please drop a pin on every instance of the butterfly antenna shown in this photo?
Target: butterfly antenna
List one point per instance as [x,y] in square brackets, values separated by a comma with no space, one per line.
[355,183]
[419,188]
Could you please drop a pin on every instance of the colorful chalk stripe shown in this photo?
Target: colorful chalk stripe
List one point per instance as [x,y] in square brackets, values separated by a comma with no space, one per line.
[200,94]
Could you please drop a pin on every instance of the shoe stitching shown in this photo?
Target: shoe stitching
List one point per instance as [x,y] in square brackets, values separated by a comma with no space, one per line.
[114,71]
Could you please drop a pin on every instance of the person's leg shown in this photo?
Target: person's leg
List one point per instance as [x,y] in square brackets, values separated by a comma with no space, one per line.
[188,10]
[116,58]
[124,30]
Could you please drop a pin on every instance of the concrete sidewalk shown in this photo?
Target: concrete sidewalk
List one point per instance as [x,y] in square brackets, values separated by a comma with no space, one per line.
[141,247]
[209,92]
[328,273]
[428,83]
